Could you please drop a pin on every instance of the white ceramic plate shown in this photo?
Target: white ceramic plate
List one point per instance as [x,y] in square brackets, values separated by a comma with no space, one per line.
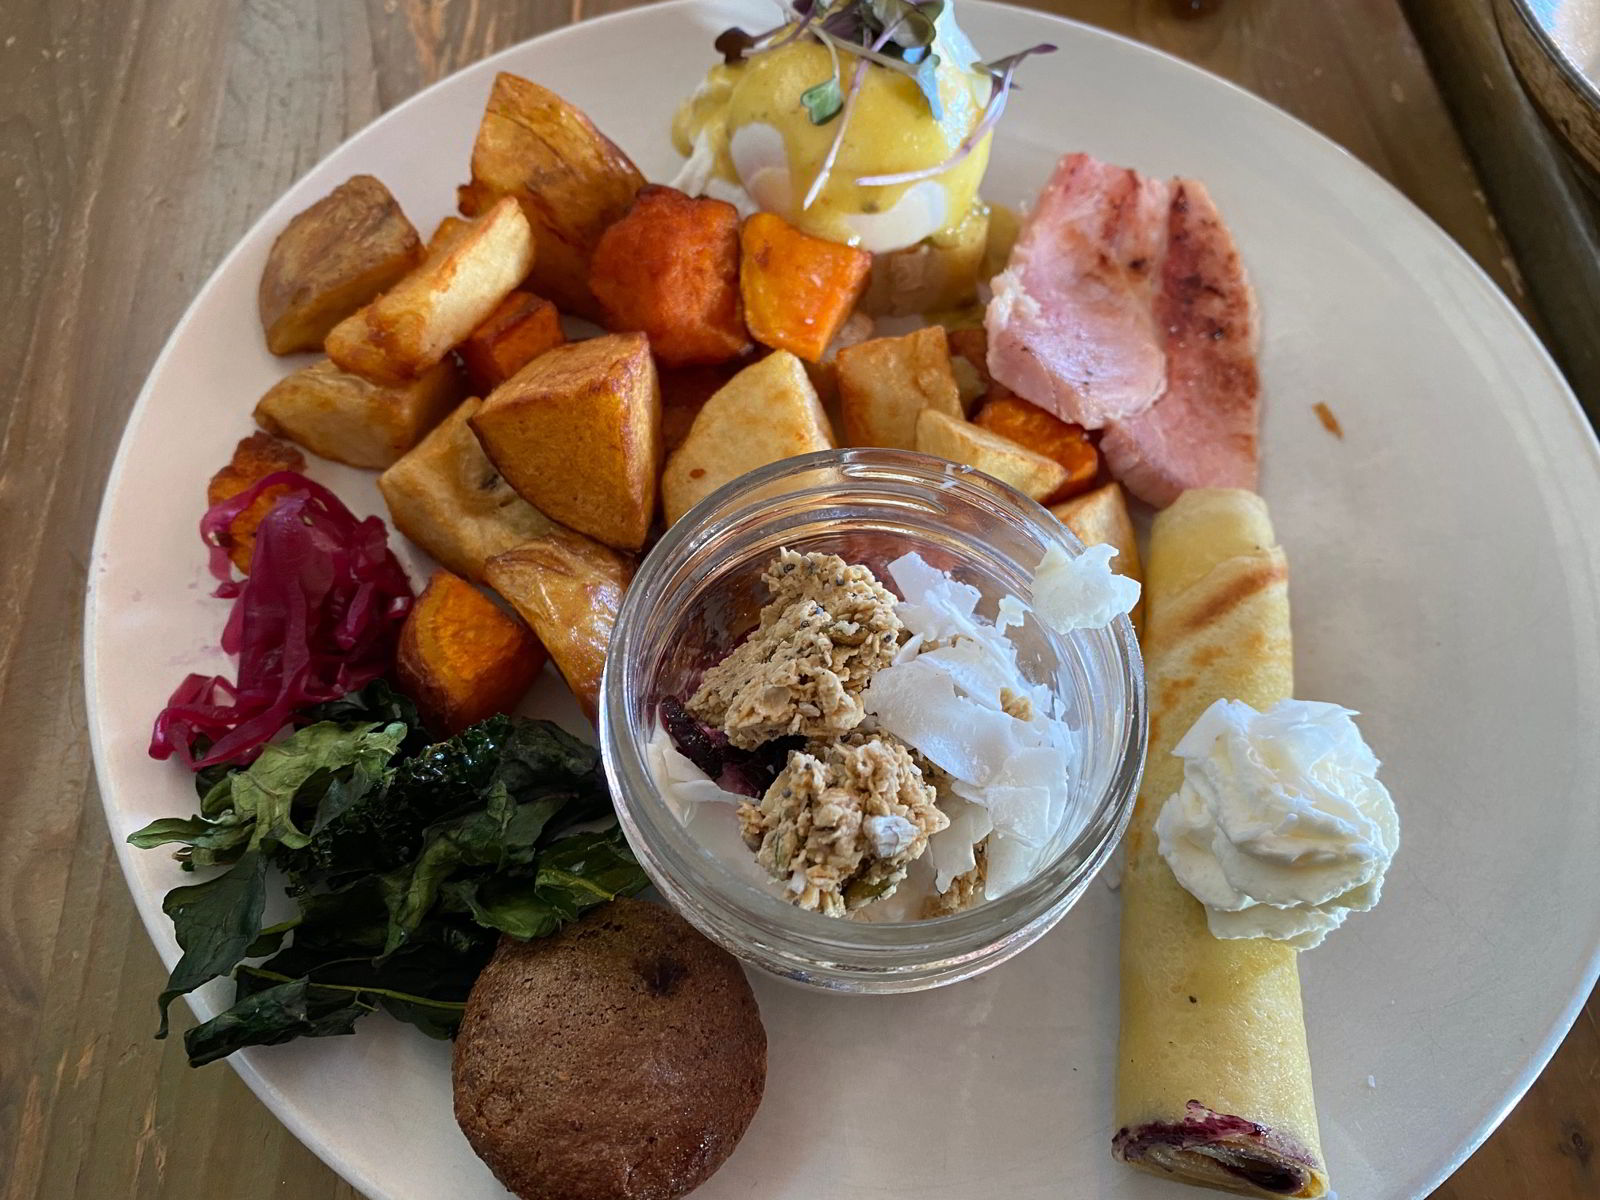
[1445,565]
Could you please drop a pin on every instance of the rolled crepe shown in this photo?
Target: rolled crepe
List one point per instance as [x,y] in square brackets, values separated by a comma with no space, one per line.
[1213,1077]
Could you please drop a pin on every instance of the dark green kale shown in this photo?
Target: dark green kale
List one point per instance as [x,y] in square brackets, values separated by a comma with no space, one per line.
[407,862]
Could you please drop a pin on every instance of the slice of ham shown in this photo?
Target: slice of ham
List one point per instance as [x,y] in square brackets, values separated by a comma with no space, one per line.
[1072,326]
[1202,432]
[1125,307]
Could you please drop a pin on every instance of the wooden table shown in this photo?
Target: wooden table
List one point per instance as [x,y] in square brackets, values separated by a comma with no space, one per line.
[138,140]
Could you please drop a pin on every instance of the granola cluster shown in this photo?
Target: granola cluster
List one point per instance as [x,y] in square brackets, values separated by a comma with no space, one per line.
[829,626]
[843,822]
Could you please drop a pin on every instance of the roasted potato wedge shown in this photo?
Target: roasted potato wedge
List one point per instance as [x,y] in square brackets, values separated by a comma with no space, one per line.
[446,496]
[1047,434]
[670,269]
[798,290]
[886,382]
[961,441]
[463,658]
[939,272]
[353,420]
[410,328]
[569,591]
[446,234]
[330,260]
[523,327]
[577,433]
[1102,516]
[571,180]
[254,458]
[766,412]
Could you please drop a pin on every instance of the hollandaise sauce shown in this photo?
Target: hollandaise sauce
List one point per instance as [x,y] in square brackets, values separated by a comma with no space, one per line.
[748,126]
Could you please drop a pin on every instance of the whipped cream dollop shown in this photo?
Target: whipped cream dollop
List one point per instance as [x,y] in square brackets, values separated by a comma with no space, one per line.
[1281,828]
[1082,592]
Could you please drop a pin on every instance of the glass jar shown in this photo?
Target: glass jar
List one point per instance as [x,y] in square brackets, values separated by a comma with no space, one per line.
[699,591]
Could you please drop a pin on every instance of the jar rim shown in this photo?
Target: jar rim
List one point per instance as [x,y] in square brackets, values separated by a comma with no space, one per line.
[724,903]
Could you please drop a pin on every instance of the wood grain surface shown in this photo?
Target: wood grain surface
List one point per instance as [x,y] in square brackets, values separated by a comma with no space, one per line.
[138,140]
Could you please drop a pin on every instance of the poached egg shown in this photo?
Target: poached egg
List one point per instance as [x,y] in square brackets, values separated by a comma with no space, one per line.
[750,140]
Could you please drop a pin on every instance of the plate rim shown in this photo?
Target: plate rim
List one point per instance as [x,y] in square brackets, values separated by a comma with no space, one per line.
[280,1104]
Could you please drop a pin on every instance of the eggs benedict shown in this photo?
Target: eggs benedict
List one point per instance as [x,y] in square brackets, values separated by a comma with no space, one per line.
[865,122]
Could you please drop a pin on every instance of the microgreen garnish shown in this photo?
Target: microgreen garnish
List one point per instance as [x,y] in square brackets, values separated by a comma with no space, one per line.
[898,35]
[823,101]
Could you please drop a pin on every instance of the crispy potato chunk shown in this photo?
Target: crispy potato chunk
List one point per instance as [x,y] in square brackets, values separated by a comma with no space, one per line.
[571,181]
[446,496]
[407,331]
[577,433]
[353,420]
[670,269]
[885,383]
[766,412]
[961,441]
[523,327]
[1047,434]
[1102,516]
[461,657]
[939,272]
[798,290]
[254,458]
[330,260]
[569,591]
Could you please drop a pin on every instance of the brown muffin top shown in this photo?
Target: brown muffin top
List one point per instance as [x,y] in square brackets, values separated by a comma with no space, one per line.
[621,1059]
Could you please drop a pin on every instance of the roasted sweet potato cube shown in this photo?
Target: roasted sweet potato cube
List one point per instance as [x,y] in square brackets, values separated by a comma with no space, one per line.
[577,433]
[670,269]
[797,289]
[569,591]
[353,420]
[1047,434]
[1102,516]
[886,382]
[570,179]
[961,441]
[939,272]
[446,496]
[254,458]
[523,327]
[409,329]
[330,260]
[767,412]
[461,657]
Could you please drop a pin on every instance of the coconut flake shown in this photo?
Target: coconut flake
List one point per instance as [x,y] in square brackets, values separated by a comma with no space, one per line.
[953,849]
[1010,863]
[933,604]
[975,669]
[917,702]
[1081,592]
[1009,614]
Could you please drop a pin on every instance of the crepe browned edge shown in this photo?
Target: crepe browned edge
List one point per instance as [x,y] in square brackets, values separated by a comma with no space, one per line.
[1213,1074]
